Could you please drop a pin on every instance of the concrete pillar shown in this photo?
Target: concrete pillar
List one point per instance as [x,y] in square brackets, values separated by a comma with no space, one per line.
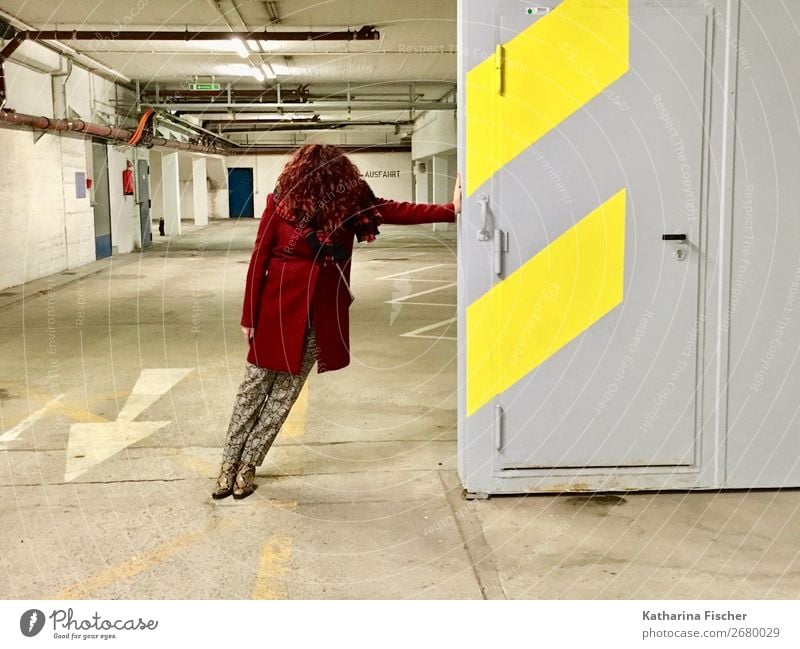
[171,190]
[421,170]
[440,183]
[199,191]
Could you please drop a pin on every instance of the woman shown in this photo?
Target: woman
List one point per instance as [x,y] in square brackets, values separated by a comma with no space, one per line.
[297,294]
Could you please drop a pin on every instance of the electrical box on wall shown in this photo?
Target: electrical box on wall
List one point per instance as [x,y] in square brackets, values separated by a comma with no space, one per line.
[604,343]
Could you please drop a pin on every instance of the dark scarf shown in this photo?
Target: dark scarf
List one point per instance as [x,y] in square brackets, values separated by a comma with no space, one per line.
[327,241]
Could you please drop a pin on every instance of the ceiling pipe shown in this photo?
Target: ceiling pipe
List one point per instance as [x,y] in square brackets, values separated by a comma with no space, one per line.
[208,52]
[168,117]
[13,118]
[21,120]
[299,127]
[66,51]
[212,95]
[253,149]
[7,51]
[311,106]
[366,33]
[266,126]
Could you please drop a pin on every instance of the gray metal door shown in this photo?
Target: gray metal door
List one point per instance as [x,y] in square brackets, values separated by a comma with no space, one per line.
[143,172]
[101,201]
[578,319]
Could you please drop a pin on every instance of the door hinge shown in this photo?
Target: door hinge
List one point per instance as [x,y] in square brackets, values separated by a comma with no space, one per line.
[500,248]
[498,426]
[499,67]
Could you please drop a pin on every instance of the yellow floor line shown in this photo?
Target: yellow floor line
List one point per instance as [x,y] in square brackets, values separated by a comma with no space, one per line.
[275,555]
[196,464]
[83,416]
[127,569]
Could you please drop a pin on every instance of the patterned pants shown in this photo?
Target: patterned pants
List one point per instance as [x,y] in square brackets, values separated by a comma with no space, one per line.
[262,404]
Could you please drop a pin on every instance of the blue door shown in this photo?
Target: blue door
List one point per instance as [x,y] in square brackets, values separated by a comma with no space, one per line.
[240,192]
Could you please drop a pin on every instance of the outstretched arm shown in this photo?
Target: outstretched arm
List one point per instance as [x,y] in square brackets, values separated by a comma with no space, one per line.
[402,213]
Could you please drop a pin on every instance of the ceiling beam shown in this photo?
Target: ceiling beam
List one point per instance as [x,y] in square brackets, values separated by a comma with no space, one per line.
[262,149]
[305,106]
[15,25]
[366,33]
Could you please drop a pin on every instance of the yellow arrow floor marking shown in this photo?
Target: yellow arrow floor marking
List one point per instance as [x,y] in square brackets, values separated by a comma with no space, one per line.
[127,569]
[275,555]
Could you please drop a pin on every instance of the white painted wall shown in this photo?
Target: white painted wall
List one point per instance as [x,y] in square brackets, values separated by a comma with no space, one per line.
[28,91]
[186,189]
[200,186]
[89,96]
[124,211]
[291,140]
[267,168]
[434,134]
[156,193]
[78,212]
[171,190]
[217,173]
[218,207]
[44,228]
[186,185]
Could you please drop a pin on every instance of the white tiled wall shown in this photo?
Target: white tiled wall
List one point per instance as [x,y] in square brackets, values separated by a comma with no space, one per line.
[44,228]
[267,168]
[124,211]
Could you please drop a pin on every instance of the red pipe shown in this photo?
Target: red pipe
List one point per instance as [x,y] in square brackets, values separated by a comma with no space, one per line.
[13,118]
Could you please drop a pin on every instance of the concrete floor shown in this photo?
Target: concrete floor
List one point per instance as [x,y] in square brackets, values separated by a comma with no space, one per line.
[359,496]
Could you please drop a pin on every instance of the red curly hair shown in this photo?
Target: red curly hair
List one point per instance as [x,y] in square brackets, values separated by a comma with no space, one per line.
[321,181]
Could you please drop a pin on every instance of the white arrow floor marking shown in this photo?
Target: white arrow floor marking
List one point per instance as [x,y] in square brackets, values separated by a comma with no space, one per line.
[421,332]
[11,434]
[403,299]
[91,444]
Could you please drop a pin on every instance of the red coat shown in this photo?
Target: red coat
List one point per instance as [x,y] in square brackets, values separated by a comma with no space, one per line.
[285,286]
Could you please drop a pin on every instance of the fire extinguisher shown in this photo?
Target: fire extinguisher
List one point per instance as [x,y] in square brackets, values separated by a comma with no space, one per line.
[127,180]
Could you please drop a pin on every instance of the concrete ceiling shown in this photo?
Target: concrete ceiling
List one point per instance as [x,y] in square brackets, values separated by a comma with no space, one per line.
[418,38]
[417,46]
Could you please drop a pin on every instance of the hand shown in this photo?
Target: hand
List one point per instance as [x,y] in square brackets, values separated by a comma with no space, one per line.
[248,332]
[457,195]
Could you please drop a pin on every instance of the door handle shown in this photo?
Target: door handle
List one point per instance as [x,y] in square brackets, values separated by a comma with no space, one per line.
[674,237]
[483,234]
[500,248]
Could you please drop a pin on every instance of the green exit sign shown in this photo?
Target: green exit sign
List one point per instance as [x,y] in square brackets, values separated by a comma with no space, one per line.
[204,86]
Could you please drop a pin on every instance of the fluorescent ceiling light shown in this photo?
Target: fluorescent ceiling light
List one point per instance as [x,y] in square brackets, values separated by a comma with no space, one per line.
[240,48]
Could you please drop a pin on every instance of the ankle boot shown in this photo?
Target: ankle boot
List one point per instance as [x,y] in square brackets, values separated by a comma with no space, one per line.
[243,484]
[224,485]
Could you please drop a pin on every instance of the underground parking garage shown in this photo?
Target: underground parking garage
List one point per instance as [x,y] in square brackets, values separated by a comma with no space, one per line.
[398,301]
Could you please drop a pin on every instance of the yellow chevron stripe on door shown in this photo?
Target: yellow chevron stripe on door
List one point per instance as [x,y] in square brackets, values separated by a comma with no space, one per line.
[547,72]
[546,303]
